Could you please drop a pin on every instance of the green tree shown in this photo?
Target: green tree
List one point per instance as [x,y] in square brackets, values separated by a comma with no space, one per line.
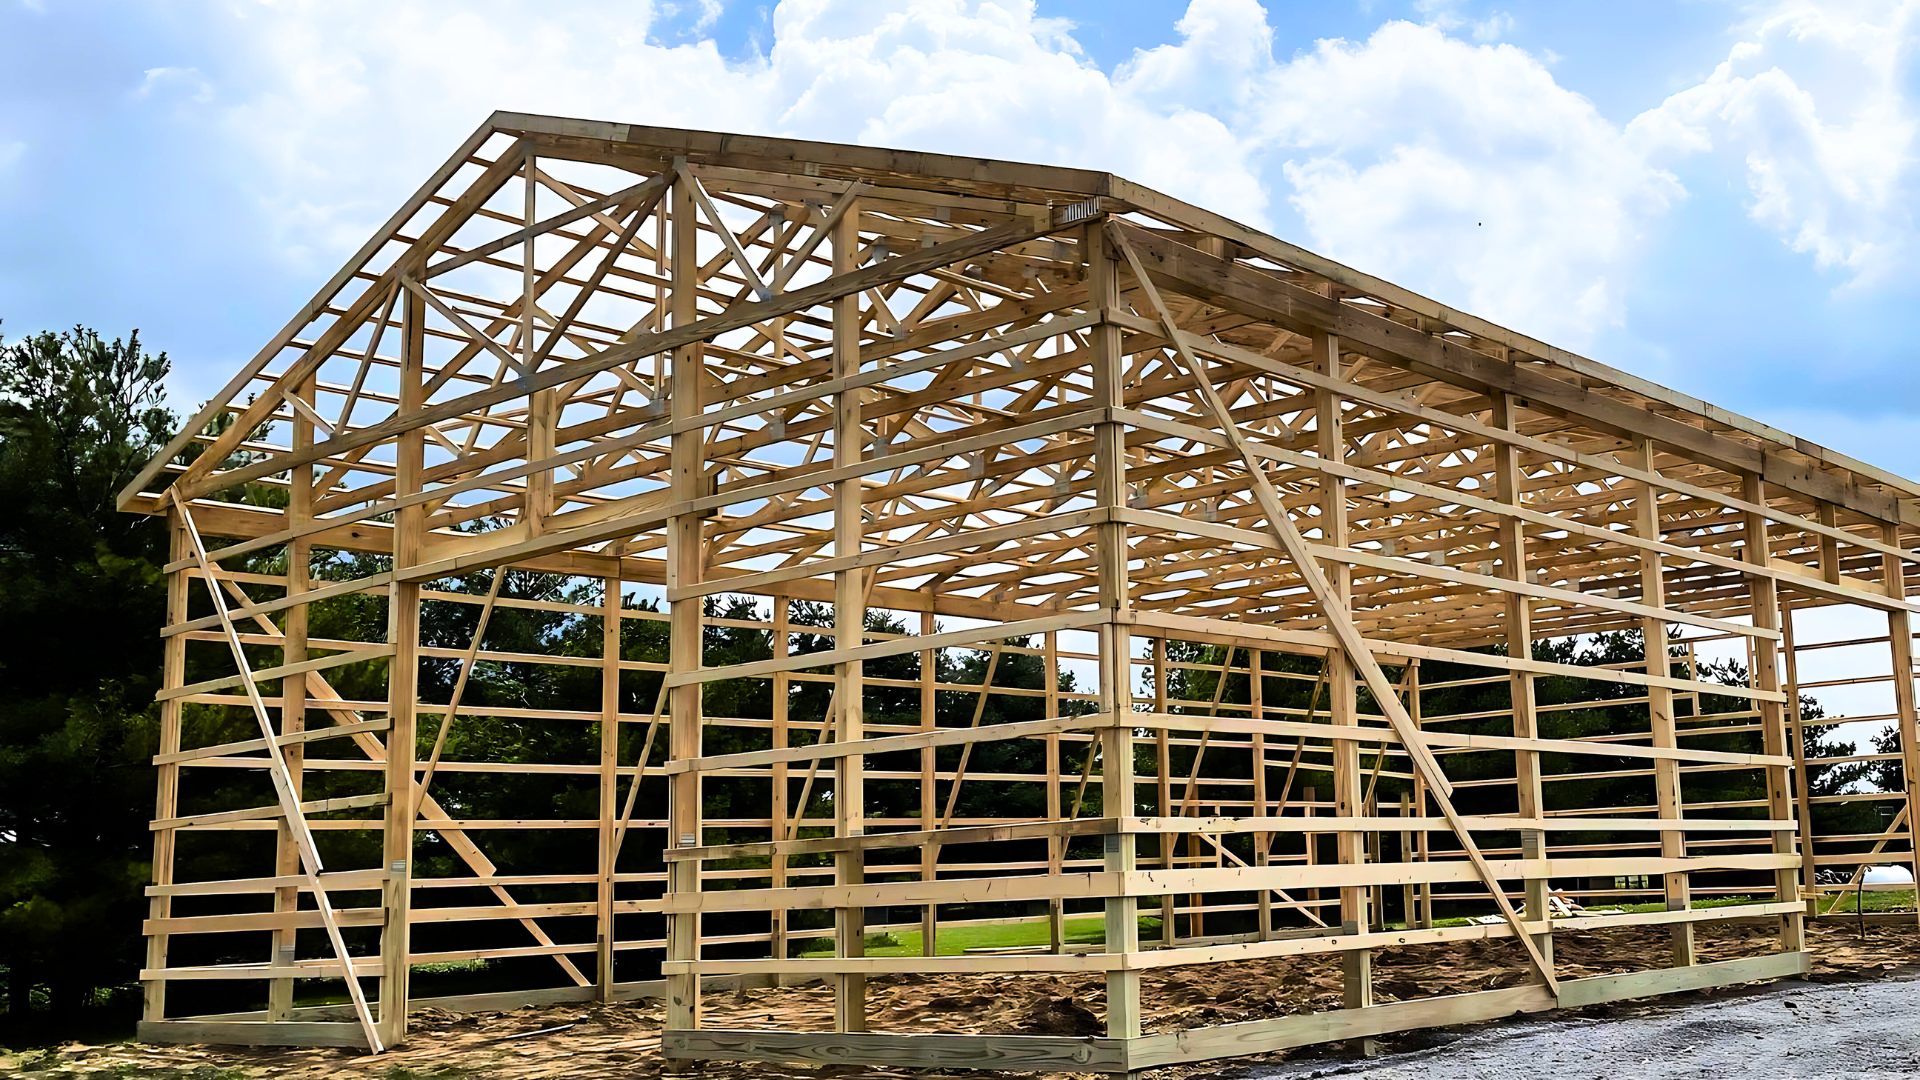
[82,590]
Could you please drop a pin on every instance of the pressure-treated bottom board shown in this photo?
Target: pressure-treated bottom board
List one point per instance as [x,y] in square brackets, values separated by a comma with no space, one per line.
[253,1032]
[1094,1054]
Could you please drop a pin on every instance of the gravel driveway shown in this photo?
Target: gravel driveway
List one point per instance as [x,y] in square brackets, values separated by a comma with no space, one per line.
[1790,1031]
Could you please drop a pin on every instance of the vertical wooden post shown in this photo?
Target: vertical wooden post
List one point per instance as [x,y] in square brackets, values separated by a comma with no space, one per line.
[1163,790]
[1765,675]
[1257,708]
[173,671]
[610,602]
[1056,846]
[684,631]
[543,406]
[849,622]
[1116,648]
[403,686]
[1342,683]
[1408,895]
[293,704]
[1421,837]
[1900,641]
[929,783]
[1519,635]
[1309,796]
[1665,730]
[777,779]
[1802,779]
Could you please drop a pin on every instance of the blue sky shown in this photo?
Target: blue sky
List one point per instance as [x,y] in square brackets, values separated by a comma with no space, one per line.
[1715,195]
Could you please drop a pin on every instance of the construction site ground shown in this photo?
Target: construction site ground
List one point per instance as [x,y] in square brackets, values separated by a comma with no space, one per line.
[622,1040]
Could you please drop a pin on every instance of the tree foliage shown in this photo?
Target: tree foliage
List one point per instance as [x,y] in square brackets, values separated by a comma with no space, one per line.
[82,593]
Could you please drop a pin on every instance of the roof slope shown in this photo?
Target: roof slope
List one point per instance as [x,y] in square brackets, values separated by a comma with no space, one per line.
[526,284]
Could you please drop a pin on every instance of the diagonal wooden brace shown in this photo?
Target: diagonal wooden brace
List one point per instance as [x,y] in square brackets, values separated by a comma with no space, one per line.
[425,807]
[283,784]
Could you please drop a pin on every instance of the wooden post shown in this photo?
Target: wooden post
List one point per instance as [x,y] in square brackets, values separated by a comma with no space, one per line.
[1163,790]
[685,566]
[1256,675]
[293,706]
[1765,674]
[1342,684]
[849,622]
[173,671]
[1900,641]
[1421,838]
[403,689]
[1116,649]
[1309,797]
[1408,895]
[1056,846]
[777,773]
[610,602]
[543,406]
[1519,636]
[1802,778]
[1665,730]
[929,785]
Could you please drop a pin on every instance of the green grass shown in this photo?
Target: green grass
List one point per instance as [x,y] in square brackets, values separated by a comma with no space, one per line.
[1716,902]
[1615,909]
[954,940]
[1892,900]
[1091,929]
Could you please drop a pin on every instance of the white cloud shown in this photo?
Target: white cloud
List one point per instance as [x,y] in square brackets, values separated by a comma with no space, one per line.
[1447,15]
[1460,169]
[355,101]
[1466,172]
[185,84]
[1816,98]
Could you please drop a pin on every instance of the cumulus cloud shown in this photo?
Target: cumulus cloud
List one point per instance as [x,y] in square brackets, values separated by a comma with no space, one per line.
[356,100]
[1427,153]
[1817,101]
[1449,15]
[181,83]
[1465,171]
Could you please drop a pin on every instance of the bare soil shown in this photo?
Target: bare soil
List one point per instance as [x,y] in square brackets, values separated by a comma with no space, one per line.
[623,1040]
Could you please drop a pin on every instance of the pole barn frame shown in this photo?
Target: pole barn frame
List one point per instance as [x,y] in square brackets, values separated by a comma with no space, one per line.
[1027,412]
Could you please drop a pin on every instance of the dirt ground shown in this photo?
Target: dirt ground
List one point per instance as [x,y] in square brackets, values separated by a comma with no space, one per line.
[623,1040]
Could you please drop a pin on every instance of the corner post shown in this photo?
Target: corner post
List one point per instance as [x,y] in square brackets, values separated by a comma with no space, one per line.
[173,671]
[849,625]
[403,685]
[1116,644]
[684,631]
